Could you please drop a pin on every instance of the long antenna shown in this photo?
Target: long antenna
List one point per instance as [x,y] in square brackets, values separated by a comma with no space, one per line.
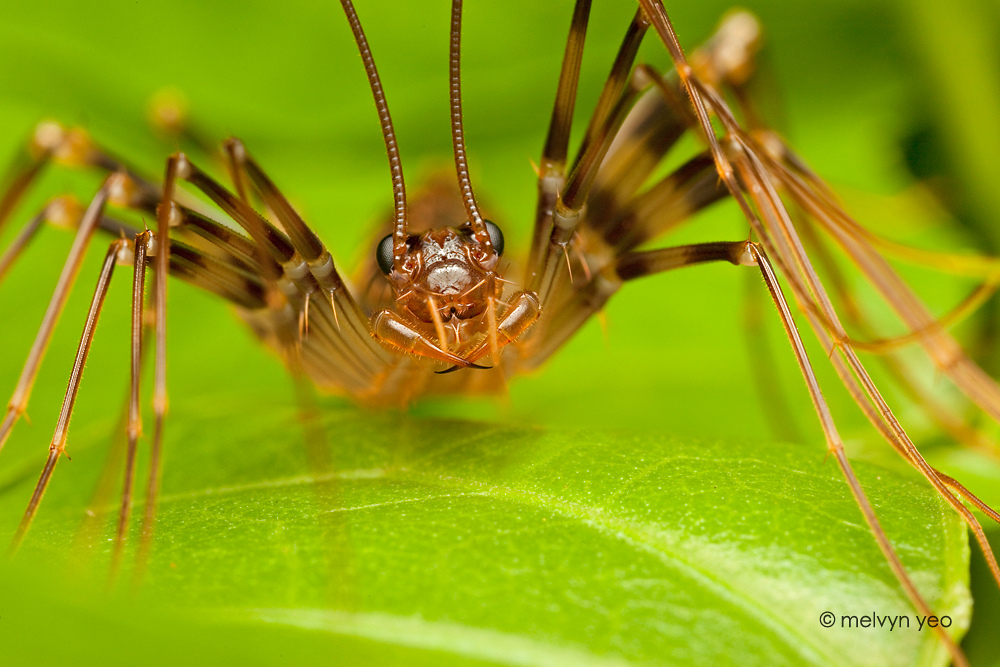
[458,134]
[388,134]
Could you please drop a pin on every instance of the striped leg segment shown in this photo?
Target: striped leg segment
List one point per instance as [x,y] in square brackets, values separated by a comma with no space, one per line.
[134,422]
[551,170]
[317,258]
[779,240]
[563,321]
[22,392]
[116,252]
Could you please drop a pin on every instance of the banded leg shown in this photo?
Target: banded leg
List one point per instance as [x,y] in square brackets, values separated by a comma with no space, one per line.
[274,248]
[134,421]
[615,85]
[298,268]
[351,363]
[22,392]
[728,59]
[626,139]
[650,130]
[826,325]
[814,196]
[607,244]
[815,303]
[348,352]
[564,320]
[116,252]
[188,263]
[857,243]
[160,397]
[560,220]
[235,275]
[315,255]
[551,169]
[74,148]
[794,264]
[830,332]
[774,229]
[836,447]
[791,257]
[638,264]
[291,284]
[899,368]
[692,187]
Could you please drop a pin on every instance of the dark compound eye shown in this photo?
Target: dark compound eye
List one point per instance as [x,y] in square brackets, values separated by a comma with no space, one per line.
[383,254]
[496,236]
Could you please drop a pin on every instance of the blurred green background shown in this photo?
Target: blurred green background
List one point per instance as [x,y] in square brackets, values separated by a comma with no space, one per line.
[855,82]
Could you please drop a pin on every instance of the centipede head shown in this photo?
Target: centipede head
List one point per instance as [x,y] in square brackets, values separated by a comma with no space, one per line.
[444,271]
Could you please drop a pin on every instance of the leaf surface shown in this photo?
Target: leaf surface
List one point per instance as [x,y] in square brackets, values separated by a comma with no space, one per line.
[531,546]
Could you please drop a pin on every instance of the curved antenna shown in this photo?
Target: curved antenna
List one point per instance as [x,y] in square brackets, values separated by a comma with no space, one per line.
[388,134]
[458,134]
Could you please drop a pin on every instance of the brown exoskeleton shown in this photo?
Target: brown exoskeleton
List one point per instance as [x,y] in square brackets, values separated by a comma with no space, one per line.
[453,319]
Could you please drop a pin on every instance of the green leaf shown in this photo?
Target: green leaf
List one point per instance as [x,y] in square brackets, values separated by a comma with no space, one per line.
[523,546]
[729,545]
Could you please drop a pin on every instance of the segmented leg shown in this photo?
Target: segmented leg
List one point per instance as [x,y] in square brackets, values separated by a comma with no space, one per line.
[778,234]
[91,529]
[312,251]
[134,422]
[237,270]
[949,421]
[773,399]
[607,238]
[552,168]
[58,445]
[277,276]
[728,59]
[836,446]
[824,319]
[611,93]
[87,226]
